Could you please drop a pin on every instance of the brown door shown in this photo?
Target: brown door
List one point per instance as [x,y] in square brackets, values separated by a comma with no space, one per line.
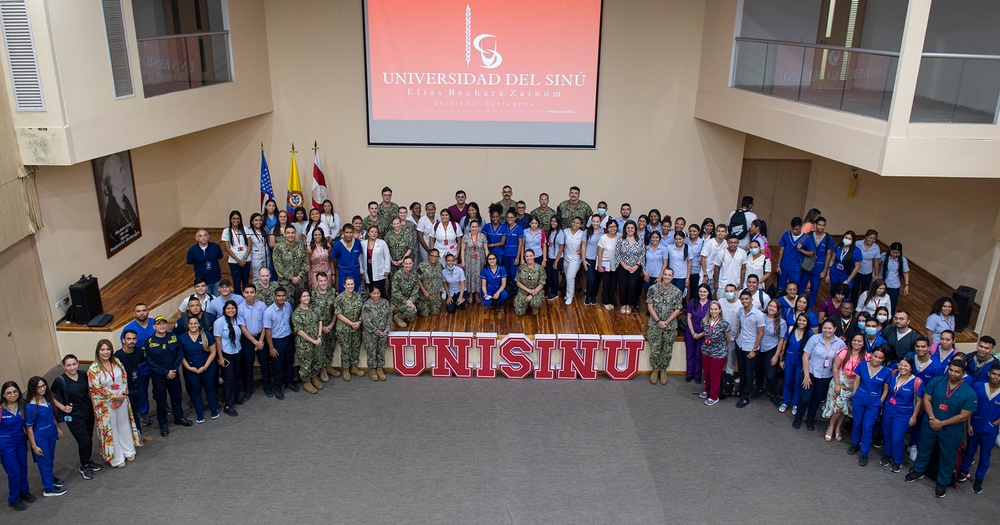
[778,188]
[840,24]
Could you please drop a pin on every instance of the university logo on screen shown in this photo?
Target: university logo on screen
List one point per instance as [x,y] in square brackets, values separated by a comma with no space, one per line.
[515,356]
[491,57]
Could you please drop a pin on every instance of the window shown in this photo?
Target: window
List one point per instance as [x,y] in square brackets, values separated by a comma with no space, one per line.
[183,44]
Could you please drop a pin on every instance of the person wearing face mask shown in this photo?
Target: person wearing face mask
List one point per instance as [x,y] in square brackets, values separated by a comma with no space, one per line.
[846,262]
[873,339]
[882,316]
[602,212]
[757,263]
[731,307]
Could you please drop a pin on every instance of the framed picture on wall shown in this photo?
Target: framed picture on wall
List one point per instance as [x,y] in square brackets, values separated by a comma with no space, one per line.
[116,197]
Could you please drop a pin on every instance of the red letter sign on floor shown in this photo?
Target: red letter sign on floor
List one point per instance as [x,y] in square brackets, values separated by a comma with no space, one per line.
[515,349]
[545,343]
[578,357]
[398,342]
[613,345]
[447,362]
[486,343]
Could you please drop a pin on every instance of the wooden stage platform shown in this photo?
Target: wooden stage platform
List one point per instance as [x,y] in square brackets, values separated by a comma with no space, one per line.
[156,279]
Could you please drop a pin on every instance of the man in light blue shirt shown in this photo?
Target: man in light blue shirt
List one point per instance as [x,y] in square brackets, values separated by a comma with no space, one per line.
[250,317]
[216,304]
[278,333]
[749,332]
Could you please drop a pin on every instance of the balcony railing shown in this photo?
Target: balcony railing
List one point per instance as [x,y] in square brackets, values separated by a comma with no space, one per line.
[958,89]
[840,78]
[180,62]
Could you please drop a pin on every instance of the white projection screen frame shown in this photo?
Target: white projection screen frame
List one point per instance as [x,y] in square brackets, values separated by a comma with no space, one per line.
[482,73]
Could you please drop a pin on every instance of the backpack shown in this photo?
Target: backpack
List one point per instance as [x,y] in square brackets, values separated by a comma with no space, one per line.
[738,224]
[728,387]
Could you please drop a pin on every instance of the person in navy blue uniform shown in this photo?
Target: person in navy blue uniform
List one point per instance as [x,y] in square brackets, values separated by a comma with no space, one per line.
[925,368]
[983,428]
[204,258]
[163,355]
[133,360]
[494,283]
[982,360]
[142,325]
[198,350]
[790,255]
[870,391]
[43,431]
[14,446]
[900,412]
[949,404]
[820,245]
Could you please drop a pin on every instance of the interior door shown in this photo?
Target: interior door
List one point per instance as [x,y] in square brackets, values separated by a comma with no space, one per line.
[840,24]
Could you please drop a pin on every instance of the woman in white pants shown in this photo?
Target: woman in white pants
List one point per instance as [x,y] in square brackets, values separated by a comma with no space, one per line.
[117,435]
[573,256]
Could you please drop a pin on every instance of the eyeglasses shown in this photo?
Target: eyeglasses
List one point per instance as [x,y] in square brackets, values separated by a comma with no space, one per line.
[11,393]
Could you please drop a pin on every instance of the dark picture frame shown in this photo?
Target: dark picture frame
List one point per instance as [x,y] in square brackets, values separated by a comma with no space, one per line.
[116,201]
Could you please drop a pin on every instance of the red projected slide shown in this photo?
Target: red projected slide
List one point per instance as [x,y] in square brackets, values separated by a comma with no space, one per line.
[491,61]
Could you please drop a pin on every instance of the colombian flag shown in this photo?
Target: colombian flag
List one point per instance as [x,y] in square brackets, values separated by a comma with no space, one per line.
[294,199]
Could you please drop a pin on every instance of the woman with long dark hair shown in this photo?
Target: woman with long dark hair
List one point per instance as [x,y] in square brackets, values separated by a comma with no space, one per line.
[117,435]
[817,371]
[308,326]
[870,391]
[319,255]
[236,243]
[259,250]
[790,360]
[714,349]
[631,254]
[330,218]
[771,344]
[942,318]
[227,332]
[607,264]
[846,262]
[876,296]
[900,411]
[895,271]
[14,446]
[593,240]
[43,431]
[555,242]
[838,400]
[694,336]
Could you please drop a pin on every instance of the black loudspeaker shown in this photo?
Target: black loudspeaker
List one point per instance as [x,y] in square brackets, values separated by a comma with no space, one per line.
[965,300]
[85,296]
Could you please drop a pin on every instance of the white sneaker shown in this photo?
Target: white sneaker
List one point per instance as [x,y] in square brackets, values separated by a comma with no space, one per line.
[569,301]
[913,452]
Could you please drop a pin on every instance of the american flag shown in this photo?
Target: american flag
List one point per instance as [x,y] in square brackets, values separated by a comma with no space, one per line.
[266,191]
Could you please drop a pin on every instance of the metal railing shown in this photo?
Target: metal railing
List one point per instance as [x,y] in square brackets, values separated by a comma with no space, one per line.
[858,81]
[957,88]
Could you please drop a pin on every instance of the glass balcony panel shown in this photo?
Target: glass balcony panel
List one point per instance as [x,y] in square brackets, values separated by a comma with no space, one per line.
[960,90]
[170,64]
[853,81]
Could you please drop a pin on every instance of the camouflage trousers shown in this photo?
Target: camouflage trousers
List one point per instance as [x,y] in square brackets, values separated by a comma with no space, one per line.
[329,345]
[661,346]
[521,307]
[350,347]
[430,306]
[310,358]
[406,313]
[375,348]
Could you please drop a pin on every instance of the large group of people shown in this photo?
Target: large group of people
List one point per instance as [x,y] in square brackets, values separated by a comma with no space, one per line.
[300,284]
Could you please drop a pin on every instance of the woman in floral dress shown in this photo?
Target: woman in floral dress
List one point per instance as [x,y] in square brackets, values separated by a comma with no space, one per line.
[117,435]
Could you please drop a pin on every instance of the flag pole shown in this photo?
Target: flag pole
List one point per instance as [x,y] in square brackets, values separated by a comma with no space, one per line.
[315,147]
[293,149]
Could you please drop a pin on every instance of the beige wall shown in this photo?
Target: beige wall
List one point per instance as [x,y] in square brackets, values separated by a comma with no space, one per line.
[84,120]
[650,149]
[945,225]
[72,242]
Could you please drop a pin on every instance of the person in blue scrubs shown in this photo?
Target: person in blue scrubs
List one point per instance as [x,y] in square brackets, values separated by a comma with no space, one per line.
[494,283]
[347,252]
[949,403]
[983,428]
[982,361]
[846,261]
[925,368]
[820,245]
[900,411]
[198,348]
[790,255]
[513,248]
[791,363]
[14,446]
[870,391]
[43,433]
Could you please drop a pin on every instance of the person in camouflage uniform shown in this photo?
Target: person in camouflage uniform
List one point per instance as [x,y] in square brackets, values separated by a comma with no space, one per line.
[507,201]
[347,308]
[266,287]
[543,212]
[322,300]
[530,282]
[291,263]
[429,282]
[386,211]
[376,320]
[400,241]
[574,207]
[308,342]
[371,219]
[664,303]
[404,294]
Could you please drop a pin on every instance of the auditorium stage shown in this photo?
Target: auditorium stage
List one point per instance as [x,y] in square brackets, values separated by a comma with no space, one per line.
[161,277]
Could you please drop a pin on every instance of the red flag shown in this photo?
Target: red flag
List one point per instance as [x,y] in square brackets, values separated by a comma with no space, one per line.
[319,193]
